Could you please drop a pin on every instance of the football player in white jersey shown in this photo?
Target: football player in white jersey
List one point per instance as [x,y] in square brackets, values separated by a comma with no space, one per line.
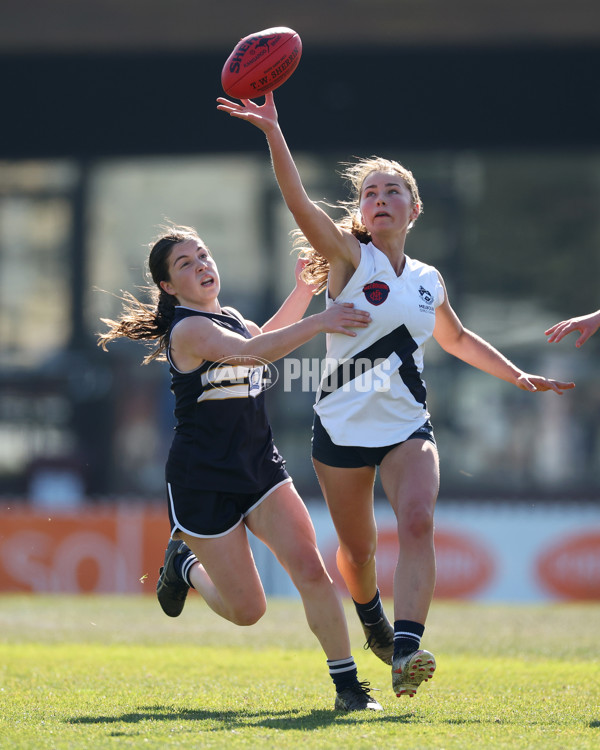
[362,258]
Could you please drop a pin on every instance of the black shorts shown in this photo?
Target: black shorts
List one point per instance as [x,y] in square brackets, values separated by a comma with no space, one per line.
[354,456]
[205,513]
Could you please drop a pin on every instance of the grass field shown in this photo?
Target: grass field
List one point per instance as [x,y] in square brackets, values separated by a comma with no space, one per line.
[108,672]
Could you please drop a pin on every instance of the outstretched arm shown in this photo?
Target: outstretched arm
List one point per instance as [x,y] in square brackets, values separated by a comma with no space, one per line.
[318,228]
[196,339]
[457,340]
[587,325]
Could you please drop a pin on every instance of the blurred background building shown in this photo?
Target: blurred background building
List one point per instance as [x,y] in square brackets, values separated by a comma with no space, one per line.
[109,127]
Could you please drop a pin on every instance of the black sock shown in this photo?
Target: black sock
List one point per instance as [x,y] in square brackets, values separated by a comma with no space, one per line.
[182,564]
[371,612]
[407,637]
[343,672]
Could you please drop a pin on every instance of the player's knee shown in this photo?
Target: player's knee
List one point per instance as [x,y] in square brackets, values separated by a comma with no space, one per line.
[248,608]
[313,570]
[307,567]
[417,521]
[247,613]
[358,555]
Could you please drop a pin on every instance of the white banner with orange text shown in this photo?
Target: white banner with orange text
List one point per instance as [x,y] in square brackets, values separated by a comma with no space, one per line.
[494,552]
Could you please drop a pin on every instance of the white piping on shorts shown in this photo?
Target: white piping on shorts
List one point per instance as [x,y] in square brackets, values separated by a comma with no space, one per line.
[179,527]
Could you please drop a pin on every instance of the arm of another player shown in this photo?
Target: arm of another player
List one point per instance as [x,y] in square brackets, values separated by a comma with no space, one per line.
[295,305]
[457,340]
[587,325]
[316,225]
[196,339]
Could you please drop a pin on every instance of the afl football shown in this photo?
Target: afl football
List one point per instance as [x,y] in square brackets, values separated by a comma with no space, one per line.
[261,62]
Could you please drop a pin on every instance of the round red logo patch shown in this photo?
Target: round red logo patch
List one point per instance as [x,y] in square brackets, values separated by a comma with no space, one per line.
[376,292]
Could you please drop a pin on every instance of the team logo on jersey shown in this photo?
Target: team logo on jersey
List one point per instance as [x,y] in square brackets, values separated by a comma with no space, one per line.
[426,295]
[376,292]
[230,378]
[255,377]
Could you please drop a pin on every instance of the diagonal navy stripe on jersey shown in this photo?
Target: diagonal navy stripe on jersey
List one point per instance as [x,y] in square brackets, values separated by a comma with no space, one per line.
[398,341]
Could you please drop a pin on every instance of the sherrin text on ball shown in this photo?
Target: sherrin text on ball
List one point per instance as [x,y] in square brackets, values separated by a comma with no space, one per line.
[261,62]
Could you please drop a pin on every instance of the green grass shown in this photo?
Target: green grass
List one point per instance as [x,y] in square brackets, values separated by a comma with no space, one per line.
[104,672]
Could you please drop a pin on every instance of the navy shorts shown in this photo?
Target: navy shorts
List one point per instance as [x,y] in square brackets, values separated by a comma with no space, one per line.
[203,513]
[354,456]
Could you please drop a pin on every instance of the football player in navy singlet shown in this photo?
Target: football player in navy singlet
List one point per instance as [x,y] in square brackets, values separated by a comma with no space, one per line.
[224,474]
[371,408]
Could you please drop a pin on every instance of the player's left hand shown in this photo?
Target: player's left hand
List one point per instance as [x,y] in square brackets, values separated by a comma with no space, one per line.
[300,283]
[537,383]
[587,325]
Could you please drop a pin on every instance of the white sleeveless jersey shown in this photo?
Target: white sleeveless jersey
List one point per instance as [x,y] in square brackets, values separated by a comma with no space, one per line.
[372,393]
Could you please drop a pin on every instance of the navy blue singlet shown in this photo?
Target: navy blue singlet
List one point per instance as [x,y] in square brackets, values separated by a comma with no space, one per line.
[223,439]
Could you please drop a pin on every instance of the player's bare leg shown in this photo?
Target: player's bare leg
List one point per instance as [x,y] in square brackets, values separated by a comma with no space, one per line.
[410,478]
[349,497]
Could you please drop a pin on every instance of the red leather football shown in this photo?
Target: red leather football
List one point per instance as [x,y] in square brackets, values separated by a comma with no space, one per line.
[261,62]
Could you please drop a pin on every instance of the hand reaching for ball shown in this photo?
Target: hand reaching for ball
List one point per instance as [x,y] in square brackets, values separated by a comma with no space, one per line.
[263,116]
